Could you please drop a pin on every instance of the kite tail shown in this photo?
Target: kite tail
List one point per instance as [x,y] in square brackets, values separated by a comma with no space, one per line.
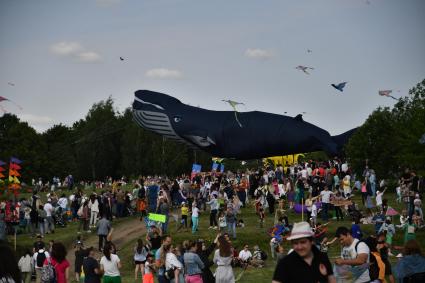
[394,97]
[237,120]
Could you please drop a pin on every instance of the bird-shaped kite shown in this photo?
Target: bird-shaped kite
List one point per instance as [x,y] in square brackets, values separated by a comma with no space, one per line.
[304,69]
[339,86]
[11,84]
[387,93]
[422,139]
[121,58]
[234,104]
[2,98]
[309,51]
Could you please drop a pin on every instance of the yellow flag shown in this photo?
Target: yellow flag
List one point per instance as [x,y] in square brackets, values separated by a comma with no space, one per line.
[10,179]
[16,180]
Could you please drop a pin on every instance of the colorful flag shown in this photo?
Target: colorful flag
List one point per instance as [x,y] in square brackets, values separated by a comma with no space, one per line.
[222,168]
[14,166]
[14,173]
[1,175]
[15,160]
[16,180]
[2,169]
[2,163]
[10,179]
[214,167]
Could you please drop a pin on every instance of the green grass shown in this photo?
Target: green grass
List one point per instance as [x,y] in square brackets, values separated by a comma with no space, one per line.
[252,235]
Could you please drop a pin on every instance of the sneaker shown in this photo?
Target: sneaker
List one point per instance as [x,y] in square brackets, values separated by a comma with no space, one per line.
[210,227]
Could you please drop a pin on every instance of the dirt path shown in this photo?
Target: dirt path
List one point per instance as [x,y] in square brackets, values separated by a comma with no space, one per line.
[123,232]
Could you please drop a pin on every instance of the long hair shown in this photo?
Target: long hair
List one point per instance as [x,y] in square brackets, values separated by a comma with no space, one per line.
[58,252]
[224,247]
[107,251]
[139,248]
[8,264]
[163,253]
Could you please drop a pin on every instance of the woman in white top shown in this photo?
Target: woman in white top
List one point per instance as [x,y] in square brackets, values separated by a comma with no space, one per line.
[223,260]
[94,210]
[171,262]
[140,253]
[26,265]
[110,265]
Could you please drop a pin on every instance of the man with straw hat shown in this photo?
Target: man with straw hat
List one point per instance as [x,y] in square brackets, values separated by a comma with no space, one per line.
[305,263]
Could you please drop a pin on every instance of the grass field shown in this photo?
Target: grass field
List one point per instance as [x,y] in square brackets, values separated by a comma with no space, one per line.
[252,234]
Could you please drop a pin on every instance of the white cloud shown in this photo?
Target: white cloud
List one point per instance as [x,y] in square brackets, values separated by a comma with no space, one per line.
[163,73]
[107,3]
[89,57]
[39,123]
[66,48]
[75,50]
[258,53]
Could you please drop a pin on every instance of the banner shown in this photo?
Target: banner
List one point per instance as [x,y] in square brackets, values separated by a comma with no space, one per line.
[222,168]
[214,167]
[157,217]
[196,168]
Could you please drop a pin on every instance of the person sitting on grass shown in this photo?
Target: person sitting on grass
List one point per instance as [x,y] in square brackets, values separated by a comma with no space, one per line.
[245,255]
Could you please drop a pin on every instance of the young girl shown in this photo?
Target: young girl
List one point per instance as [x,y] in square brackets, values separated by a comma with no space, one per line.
[149,270]
[185,214]
[140,253]
[222,224]
[195,217]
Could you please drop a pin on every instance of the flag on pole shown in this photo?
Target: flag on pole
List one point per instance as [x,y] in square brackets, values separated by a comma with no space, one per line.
[2,163]
[16,180]
[14,166]
[15,160]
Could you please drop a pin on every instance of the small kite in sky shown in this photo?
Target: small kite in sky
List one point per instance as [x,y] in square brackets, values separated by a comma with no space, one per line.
[2,98]
[422,139]
[121,58]
[11,84]
[387,93]
[309,51]
[304,69]
[234,104]
[339,86]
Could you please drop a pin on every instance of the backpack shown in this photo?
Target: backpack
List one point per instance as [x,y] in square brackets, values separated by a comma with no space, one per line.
[375,265]
[263,255]
[41,257]
[141,194]
[48,273]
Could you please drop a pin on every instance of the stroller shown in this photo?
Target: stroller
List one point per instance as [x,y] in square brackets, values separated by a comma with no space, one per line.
[58,217]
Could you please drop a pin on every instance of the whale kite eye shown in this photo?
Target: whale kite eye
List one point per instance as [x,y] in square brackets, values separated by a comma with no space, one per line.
[177,119]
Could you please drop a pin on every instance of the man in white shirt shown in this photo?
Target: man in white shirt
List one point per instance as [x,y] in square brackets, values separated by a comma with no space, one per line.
[354,253]
[245,255]
[325,195]
[50,224]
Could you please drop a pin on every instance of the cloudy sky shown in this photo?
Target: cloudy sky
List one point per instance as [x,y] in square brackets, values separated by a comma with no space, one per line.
[59,57]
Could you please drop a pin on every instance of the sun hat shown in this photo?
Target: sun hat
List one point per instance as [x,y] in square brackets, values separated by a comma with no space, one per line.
[301,230]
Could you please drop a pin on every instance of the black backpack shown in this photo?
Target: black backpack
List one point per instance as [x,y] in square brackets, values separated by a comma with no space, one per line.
[373,264]
[41,257]
[141,194]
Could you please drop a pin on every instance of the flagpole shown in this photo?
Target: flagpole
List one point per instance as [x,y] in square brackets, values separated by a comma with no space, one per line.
[302,209]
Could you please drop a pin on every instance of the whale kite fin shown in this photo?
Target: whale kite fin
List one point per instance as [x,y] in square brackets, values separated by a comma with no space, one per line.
[342,139]
[299,117]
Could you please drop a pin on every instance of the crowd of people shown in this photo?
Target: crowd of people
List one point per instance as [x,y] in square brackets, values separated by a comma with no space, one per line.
[320,191]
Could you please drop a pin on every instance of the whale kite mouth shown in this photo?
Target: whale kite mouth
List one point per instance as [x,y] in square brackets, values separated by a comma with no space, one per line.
[149,103]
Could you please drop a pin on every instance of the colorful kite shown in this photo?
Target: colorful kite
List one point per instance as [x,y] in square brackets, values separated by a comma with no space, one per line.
[304,69]
[233,104]
[339,86]
[387,93]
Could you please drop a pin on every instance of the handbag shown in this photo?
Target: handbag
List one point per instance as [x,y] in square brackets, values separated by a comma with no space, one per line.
[169,274]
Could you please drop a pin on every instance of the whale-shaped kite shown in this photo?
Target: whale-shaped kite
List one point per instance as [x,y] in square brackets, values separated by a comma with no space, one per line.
[218,133]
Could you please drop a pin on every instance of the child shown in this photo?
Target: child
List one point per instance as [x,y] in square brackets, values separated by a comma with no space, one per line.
[379,196]
[149,270]
[185,214]
[409,231]
[403,219]
[313,213]
[222,223]
[261,215]
[195,217]
[389,230]
[398,190]
[418,207]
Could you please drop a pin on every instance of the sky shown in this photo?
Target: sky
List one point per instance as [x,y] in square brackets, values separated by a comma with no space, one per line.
[58,58]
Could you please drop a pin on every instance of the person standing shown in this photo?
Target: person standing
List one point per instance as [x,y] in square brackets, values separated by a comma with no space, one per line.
[26,265]
[140,253]
[94,210]
[103,228]
[231,222]
[305,263]
[59,261]
[354,253]
[326,200]
[50,224]
[39,258]
[223,259]
[195,217]
[193,264]
[110,265]
[213,203]
[84,217]
[91,268]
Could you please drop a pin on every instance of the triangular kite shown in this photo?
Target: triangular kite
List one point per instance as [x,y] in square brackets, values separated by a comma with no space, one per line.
[14,173]
[16,180]
[15,166]
[15,160]
[2,163]
[1,175]
[2,169]
[10,179]
[387,93]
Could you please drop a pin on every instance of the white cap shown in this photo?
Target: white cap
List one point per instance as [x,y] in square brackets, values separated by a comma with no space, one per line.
[301,230]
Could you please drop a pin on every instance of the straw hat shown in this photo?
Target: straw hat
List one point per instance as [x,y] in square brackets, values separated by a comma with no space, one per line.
[301,230]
